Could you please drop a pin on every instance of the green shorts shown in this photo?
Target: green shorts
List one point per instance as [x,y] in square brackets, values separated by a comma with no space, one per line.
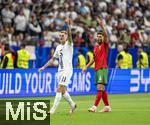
[101,76]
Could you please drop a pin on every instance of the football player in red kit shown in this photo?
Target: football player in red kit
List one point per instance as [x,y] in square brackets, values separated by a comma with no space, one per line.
[101,68]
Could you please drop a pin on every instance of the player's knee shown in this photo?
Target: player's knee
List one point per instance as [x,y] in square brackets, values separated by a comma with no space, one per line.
[61,89]
[100,87]
[58,90]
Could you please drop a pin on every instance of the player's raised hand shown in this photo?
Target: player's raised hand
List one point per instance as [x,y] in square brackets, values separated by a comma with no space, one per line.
[100,21]
[68,21]
[41,69]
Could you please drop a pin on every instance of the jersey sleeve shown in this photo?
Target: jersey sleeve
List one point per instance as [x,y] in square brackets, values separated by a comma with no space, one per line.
[56,55]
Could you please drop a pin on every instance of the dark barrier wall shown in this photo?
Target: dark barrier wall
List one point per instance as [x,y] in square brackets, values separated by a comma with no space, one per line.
[31,83]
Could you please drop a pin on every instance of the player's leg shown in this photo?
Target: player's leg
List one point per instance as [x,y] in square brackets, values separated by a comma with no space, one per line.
[59,93]
[68,98]
[106,108]
[98,98]
[100,88]
[104,94]
[66,95]
[57,99]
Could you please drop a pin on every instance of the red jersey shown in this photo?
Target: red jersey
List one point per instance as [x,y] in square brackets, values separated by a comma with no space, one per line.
[100,56]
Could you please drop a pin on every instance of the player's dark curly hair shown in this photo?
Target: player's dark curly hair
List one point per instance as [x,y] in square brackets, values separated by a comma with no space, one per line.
[100,33]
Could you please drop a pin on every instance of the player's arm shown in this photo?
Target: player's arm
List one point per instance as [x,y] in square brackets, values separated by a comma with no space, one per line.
[103,29]
[68,22]
[88,65]
[49,62]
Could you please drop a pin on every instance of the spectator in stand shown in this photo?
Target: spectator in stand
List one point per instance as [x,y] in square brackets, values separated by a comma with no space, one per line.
[81,60]
[91,37]
[26,11]
[18,40]
[34,27]
[22,58]
[122,59]
[125,17]
[129,58]
[126,21]
[90,56]
[8,58]
[142,59]
[7,15]
[20,23]
[2,51]
[78,40]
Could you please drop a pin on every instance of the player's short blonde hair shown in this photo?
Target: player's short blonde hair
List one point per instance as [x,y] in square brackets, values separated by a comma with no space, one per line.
[63,31]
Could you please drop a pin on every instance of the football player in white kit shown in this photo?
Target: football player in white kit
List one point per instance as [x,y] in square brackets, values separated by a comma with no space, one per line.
[64,53]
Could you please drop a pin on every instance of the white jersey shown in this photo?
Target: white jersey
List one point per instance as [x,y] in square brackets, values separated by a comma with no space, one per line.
[65,54]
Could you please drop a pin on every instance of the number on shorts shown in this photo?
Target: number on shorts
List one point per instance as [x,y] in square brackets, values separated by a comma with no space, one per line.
[63,79]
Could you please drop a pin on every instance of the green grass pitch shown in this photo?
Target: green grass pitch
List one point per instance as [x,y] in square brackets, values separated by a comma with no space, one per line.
[130,109]
[127,109]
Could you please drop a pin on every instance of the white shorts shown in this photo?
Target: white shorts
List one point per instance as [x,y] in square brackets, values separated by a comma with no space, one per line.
[64,77]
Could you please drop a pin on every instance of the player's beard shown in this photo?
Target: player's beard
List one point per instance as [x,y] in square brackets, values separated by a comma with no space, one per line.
[99,42]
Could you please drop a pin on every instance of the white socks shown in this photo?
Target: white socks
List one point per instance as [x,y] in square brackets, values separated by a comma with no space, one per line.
[58,98]
[56,102]
[68,99]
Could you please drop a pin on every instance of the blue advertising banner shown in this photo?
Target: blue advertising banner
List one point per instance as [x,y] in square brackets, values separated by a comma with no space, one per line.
[31,83]
[128,81]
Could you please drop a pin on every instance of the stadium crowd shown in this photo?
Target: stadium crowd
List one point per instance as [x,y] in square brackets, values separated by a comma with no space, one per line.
[37,23]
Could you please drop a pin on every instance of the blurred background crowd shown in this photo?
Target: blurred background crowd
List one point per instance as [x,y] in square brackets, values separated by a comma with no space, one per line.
[37,22]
